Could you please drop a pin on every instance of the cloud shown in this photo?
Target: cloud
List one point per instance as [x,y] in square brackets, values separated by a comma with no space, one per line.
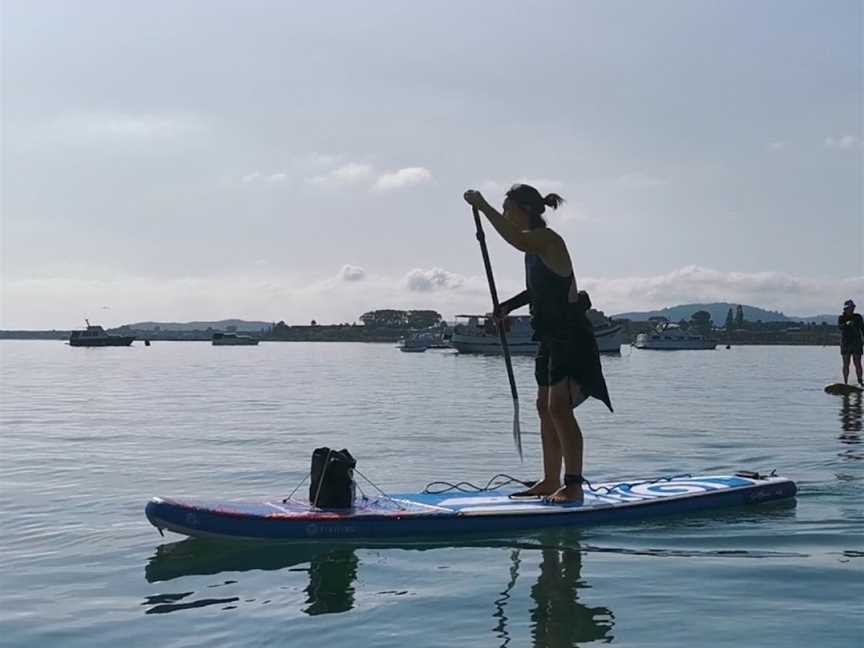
[776,290]
[418,280]
[347,174]
[843,142]
[406,177]
[351,273]
[257,176]
[59,302]
[777,146]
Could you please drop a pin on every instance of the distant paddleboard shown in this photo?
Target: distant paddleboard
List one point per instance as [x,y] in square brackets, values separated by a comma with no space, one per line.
[417,515]
[841,389]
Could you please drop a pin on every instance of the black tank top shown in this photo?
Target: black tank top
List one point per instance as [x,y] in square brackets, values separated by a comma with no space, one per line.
[851,329]
[554,310]
[558,311]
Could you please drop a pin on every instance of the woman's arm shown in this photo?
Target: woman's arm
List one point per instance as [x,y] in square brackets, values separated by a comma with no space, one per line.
[532,241]
[517,301]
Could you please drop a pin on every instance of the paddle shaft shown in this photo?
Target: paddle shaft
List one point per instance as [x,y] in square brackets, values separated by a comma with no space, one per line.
[502,334]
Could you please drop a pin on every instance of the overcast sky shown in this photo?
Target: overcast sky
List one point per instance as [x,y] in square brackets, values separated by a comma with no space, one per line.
[295,160]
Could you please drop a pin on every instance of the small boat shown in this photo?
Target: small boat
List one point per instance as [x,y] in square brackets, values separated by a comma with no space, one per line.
[435,337]
[95,336]
[232,339]
[671,337]
[413,344]
[478,334]
[607,333]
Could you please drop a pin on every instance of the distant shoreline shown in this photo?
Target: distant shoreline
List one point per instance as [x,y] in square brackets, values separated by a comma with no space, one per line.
[322,333]
[61,336]
[390,331]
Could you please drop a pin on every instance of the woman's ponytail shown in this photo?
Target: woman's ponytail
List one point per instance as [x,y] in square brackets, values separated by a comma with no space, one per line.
[553,200]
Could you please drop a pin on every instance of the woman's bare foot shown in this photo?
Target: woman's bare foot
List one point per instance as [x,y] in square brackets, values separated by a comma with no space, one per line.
[542,488]
[567,494]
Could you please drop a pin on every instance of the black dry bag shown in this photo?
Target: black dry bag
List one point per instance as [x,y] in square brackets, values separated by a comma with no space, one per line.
[332,479]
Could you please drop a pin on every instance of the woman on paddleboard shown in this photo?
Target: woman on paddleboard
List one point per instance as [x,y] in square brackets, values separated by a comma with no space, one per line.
[851,339]
[567,367]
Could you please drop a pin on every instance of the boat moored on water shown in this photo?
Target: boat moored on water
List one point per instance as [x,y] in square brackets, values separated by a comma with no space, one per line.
[412,344]
[233,339]
[432,337]
[671,337]
[96,336]
[478,334]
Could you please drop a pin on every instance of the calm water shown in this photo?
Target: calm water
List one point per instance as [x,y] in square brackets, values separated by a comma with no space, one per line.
[88,435]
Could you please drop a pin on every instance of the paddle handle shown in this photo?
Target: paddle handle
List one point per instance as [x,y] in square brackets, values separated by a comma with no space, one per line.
[502,334]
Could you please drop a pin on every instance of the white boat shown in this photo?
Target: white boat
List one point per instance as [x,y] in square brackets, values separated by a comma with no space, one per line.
[478,334]
[671,337]
[413,344]
[233,339]
[609,335]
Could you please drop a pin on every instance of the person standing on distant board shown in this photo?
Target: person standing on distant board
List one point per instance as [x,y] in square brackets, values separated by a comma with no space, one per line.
[851,339]
[567,368]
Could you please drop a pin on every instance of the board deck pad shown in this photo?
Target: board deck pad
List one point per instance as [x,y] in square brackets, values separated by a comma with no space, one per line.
[410,515]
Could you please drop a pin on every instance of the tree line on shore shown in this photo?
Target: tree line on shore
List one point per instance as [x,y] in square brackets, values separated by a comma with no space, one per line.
[738,330]
[388,325]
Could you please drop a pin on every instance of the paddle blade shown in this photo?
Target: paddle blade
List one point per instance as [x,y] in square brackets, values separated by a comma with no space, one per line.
[517,433]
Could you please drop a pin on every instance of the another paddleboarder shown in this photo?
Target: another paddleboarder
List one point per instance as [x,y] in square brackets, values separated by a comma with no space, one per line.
[567,367]
[851,340]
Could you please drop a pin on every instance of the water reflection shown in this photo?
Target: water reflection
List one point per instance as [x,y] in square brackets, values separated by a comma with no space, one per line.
[557,616]
[851,415]
[332,570]
[331,582]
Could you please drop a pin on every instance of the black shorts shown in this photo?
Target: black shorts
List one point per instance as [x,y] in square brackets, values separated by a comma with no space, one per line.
[555,361]
[851,349]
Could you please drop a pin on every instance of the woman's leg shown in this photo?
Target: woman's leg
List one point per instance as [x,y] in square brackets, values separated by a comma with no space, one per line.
[561,400]
[551,481]
[551,444]
[856,358]
[846,357]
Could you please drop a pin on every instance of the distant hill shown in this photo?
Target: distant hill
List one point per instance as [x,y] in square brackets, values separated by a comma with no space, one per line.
[221,325]
[718,312]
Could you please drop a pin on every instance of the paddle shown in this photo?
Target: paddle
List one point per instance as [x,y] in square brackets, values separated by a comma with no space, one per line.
[481,238]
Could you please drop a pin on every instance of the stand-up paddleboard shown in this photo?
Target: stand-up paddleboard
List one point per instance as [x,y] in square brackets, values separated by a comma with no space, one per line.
[841,389]
[417,515]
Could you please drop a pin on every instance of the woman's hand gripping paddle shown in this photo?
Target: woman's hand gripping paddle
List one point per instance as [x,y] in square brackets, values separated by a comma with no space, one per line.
[481,238]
